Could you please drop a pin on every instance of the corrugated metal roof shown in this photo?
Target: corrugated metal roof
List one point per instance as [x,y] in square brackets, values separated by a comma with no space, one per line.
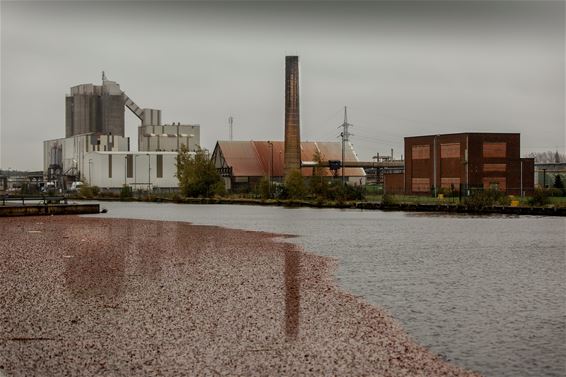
[242,157]
[253,158]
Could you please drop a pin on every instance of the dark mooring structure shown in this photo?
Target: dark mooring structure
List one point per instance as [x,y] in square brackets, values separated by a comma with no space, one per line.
[292,158]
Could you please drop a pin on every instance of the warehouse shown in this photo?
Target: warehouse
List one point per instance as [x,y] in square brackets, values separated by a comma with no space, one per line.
[242,164]
[467,161]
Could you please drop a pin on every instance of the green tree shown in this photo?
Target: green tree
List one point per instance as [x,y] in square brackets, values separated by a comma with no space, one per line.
[318,184]
[558,182]
[263,188]
[197,175]
[126,192]
[540,198]
[295,185]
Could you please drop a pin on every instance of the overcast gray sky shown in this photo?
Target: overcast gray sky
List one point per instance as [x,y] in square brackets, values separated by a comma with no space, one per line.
[402,68]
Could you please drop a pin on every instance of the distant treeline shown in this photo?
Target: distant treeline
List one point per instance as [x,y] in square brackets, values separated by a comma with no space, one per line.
[548,157]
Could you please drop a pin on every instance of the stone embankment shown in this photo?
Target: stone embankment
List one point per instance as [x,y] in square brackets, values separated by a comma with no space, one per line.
[48,209]
[409,207]
[89,296]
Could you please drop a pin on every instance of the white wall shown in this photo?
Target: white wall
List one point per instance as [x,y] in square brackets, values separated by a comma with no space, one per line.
[74,148]
[144,170]
[151,138]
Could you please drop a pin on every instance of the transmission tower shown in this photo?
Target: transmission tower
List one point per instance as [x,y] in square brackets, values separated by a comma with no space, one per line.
[345,135]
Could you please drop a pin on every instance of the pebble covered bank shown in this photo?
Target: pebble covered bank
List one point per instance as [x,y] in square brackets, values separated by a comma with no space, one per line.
[87,296]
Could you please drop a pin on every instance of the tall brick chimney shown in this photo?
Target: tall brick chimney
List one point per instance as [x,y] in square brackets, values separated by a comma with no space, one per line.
[292,158]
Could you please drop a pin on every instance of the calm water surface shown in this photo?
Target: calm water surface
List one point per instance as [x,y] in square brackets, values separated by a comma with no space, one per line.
[487,293]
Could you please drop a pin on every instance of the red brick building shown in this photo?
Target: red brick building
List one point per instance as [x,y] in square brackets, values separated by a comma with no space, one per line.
[437,163]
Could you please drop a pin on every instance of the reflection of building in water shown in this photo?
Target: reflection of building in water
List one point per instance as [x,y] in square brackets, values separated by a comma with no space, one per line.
[149,255]
[96,266]
[292,291]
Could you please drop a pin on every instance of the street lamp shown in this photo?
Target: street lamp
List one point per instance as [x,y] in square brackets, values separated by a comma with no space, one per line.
[135,171]
[177,136]
[125,170]
[544,178]
[148,171]
[89,169]
[270,172]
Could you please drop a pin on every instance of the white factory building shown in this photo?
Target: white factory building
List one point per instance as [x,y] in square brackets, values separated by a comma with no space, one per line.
[139,170]
[100,158]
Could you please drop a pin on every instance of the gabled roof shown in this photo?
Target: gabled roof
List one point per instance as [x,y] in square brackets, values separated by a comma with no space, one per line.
[254,158]
[242,157]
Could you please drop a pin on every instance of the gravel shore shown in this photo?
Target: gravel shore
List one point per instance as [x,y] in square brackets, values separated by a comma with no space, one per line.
[88,296]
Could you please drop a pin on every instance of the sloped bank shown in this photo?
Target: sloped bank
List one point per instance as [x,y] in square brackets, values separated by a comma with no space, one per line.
[134,297]
[411,207]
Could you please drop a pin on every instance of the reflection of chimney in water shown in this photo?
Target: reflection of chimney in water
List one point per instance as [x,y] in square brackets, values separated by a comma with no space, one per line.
[292,158]
[292,292]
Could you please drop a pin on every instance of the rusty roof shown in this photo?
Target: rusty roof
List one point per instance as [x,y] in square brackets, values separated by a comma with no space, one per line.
[254,158]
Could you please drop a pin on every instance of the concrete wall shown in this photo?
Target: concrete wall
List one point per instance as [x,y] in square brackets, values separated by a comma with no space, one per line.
[151,117]
[168,137]
[92,108]
[112,111]
[74,149]
[110,169]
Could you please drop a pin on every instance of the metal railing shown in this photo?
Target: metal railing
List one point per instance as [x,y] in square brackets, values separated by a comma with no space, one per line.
[44,199]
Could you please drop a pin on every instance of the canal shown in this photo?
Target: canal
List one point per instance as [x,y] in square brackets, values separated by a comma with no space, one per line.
[486,293]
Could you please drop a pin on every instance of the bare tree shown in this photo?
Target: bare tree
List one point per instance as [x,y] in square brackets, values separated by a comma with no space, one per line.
[548,157]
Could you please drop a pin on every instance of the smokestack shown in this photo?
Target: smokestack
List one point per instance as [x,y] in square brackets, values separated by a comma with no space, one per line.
[292,158]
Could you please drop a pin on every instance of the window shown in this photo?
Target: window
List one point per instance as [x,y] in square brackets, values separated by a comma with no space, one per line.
[109,166]
[420,185]
[450,183]
[450,150]
[495,183]
[494,150]
[495,167]
[420,152]
[159,166]
[130,166]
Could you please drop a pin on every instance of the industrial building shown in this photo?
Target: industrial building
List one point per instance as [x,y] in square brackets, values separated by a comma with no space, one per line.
[242,164]
[467,161]
[65,159]
[95,149]
[168,137]
[546,172]
[138,170]
[95,109]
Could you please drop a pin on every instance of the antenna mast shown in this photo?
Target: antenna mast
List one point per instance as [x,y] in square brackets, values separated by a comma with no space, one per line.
[230,127]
